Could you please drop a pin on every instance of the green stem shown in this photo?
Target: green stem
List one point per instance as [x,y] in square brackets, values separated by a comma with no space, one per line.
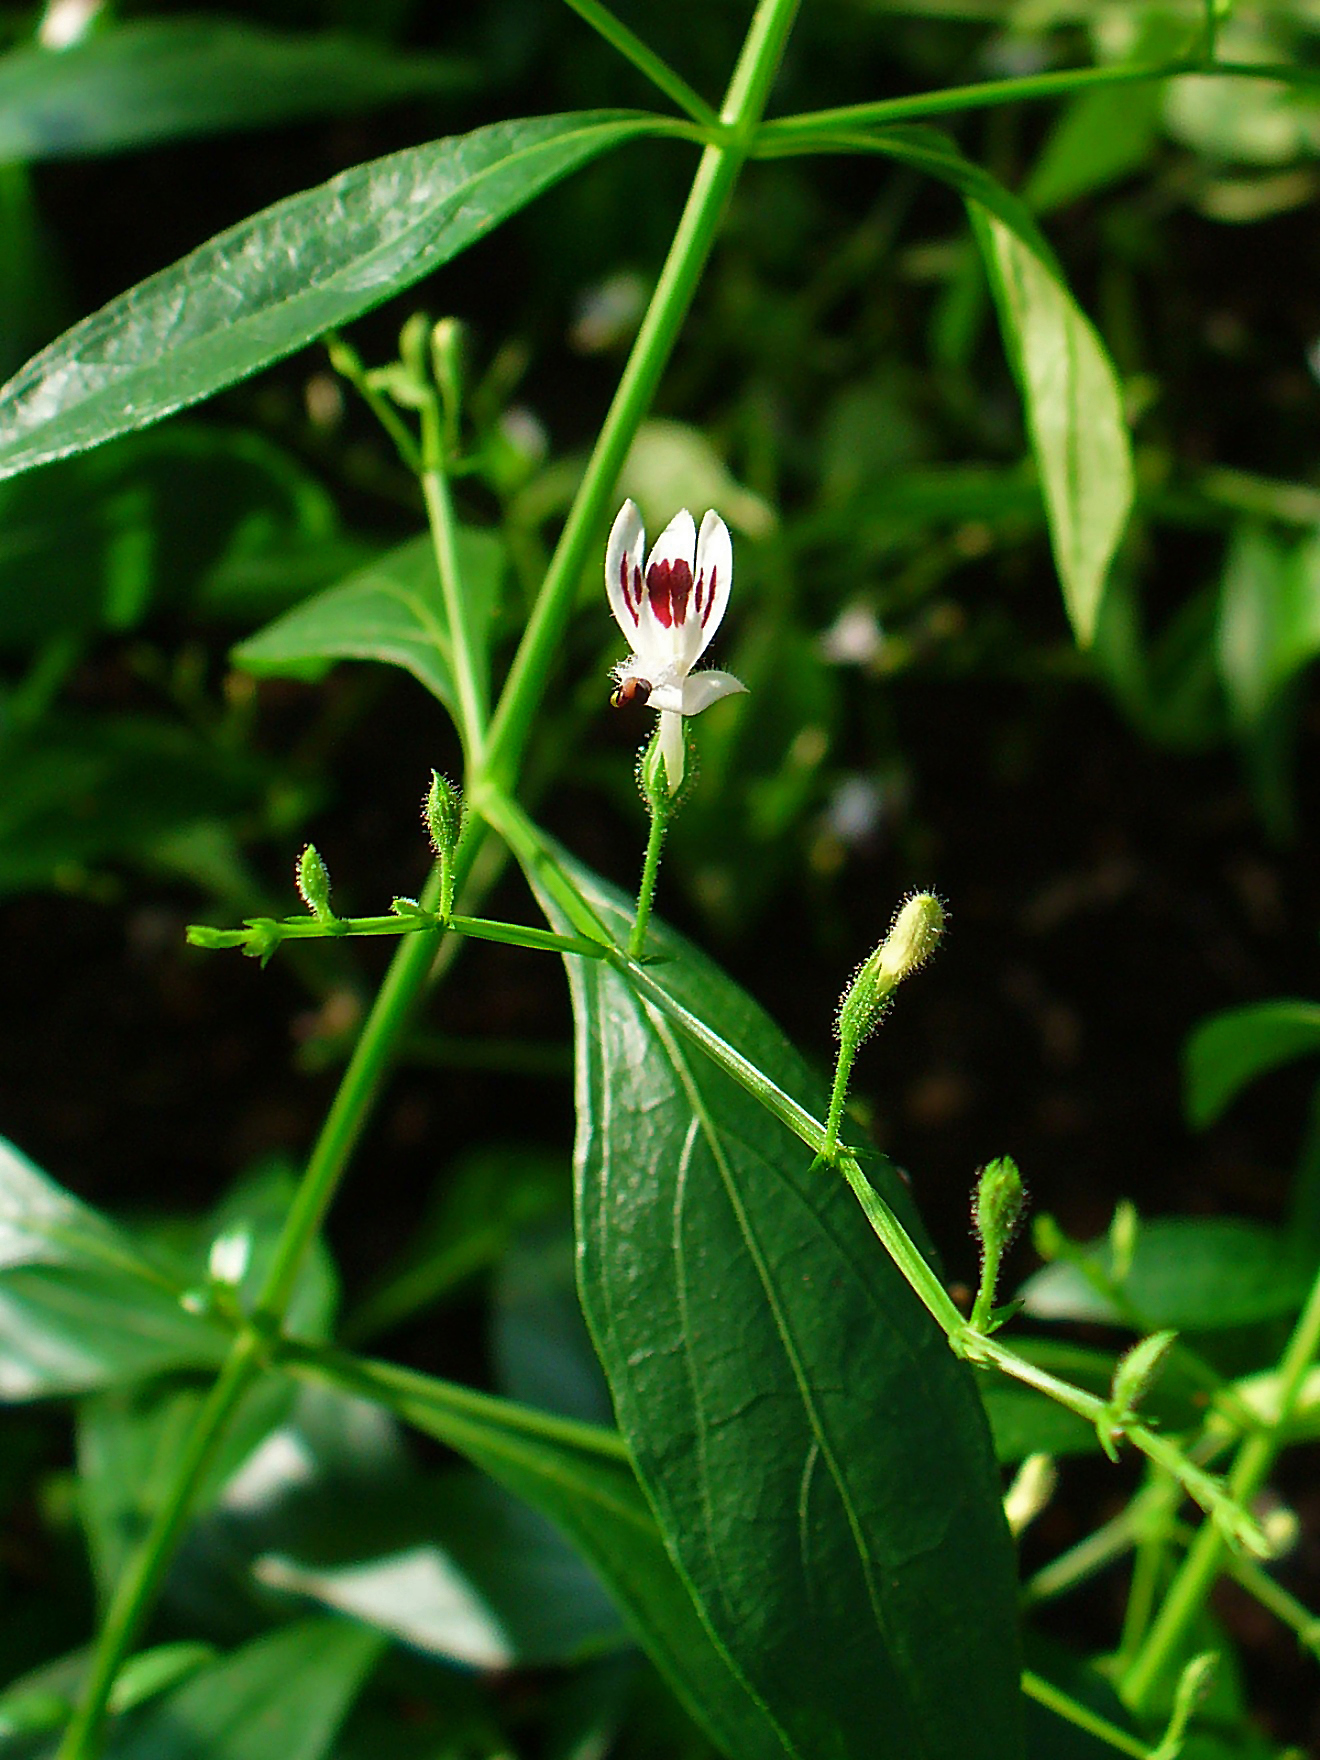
[473,711]
[1048,1695]
[645,60]
[838,1097]
[646,890]
[987,93]
[1196,1576]
[137,1587]
[418,922]
[717,173]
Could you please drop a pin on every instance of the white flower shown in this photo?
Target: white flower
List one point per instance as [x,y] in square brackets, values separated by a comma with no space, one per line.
[669,612]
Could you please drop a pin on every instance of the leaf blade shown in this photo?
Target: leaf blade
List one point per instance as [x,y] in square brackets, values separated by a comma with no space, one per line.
[277,281]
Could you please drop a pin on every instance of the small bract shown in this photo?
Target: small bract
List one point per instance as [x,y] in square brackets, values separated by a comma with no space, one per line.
[669,611]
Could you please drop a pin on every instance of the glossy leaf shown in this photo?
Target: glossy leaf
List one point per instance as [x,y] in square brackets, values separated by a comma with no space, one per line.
[1195,1274]
[1227,1052]
[1269,618]
[816,1457]
[579,1476]
[1074,409]
[278,281]
[281,1697]
[392,610]
[160,79]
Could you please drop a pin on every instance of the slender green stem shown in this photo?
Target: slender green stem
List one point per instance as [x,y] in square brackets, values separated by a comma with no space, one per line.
[661,75]
[838,1097]
[717,173]
[987,93]
[346,361]
[473,710]
[414,922]
[137,1587]
[1196,1576]
[646,890]
[1050,1696]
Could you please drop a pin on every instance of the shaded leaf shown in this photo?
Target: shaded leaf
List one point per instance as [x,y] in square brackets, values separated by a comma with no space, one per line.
[281,1697]
[1269,618]
[1227,1052]
[1195,1274]
[816,1456]
[159,79]
[392,611]
[579,1476]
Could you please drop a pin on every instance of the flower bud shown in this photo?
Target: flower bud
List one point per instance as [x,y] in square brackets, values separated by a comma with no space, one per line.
[998,1205]
[443,813]
[1137,1369]
[314,884]
[447,345]
[229,1257]
[912,939]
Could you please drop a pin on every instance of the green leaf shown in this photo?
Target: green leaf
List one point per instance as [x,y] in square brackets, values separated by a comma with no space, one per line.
[392,611]
[160,79]
[1227,1052]
[1269,618]
[81,1303]
[816,1457]
[1195,1274]
[1074,409]
[276,282]
[579,1476]
[1102,137]
[192,511]
[281,1697]
[82,789]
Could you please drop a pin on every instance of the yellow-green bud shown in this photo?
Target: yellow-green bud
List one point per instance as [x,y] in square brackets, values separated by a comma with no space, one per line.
[1137,1369]
[314,884]
[912,938]
[447,346]
[412,347]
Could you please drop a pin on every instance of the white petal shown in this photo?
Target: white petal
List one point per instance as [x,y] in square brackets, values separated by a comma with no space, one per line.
[624,553]
[673,747]
[705,688]
[666,696]
[677,543]
[714,576]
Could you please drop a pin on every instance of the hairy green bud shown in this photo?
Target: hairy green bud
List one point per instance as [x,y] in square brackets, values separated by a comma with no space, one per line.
[314,884]
[1137,1369]
[443,813]
[998,1205]
[912,938]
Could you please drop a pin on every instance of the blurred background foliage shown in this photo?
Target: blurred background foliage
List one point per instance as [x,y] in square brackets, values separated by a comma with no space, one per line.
[1127,836]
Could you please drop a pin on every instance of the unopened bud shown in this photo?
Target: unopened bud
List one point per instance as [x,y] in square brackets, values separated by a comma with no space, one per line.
[412,348]
[314,884]
[1123,1232]
[443,812]
[1137,1369]
[1033,1486]
[998,1205]
[230,1255]
[447,346]
[912,939]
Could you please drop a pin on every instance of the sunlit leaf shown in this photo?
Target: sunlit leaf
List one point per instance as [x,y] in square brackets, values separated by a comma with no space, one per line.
[1227,1052]
[276,282]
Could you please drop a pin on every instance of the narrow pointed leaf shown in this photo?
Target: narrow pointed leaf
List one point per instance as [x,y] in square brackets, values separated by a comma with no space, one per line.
[159,79]
[817,1459]
[278,281]
[1227,1052]
[1074,409]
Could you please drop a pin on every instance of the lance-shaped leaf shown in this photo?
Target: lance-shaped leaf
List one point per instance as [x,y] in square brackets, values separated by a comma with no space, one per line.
[1073,402]
[277,281]
[159,79]
[817,1458]
[1074,408]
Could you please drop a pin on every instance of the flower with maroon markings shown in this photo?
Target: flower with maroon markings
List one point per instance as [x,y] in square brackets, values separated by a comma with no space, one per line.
[669,611]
